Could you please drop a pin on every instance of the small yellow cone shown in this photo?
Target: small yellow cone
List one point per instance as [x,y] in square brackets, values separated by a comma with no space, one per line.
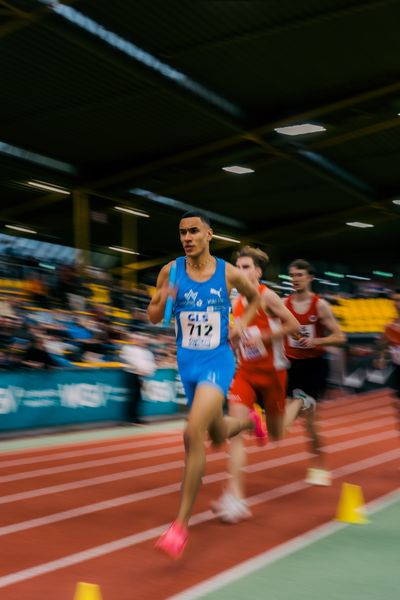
[87,591]
[351,505]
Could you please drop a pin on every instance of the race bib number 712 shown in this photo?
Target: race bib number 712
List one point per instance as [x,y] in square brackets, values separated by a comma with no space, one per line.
[200,330]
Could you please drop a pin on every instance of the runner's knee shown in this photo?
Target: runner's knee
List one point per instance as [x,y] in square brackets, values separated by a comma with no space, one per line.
[192,439]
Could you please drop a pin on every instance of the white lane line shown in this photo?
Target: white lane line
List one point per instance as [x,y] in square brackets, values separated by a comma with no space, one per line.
[383,422]
[369,439]
[365,463]
[133,445]
[361,416]
[362,413]
[354,407]
[90,464]
[131,473]
[142,455]
[368,423]
[360,465]
[348,445]
[271,556]
[137,538]
[84,438]
[91,481]
[329,405]
[152,493]
[136,497]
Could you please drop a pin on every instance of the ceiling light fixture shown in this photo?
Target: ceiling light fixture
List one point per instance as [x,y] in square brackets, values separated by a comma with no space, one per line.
[238,170]
[334,274]
[23,229]
[382,274]
[358,277]
[331,283]
[359,224]
[225,238]
[132,211]
[49,187]
[122,250]
[302,129]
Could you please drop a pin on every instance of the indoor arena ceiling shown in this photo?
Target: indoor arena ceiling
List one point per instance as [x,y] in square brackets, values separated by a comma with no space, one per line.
[141,104]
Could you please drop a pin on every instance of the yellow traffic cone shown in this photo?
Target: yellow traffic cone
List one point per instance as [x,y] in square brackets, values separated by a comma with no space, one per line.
[87,591]
[351,505]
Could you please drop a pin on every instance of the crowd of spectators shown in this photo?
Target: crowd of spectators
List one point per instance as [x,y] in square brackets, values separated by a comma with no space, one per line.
[59,316]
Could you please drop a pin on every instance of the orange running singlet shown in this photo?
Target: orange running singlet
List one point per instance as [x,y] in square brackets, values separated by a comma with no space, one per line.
[254,353]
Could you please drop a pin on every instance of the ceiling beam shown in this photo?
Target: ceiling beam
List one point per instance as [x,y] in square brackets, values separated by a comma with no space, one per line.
[23,18]
[356,134]
[316,17]
[30,206]
[272,156]
[275,235]
[133,67]
[253,135]
[328,232]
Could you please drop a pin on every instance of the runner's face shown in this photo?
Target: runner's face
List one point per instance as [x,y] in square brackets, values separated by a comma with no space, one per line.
[195,236]
[246,266]
[301,279]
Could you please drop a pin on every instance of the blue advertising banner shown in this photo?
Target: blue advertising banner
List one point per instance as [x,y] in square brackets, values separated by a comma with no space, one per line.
[159,393]
[43,399]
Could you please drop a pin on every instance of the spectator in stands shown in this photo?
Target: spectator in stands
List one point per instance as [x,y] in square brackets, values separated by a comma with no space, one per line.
[58,349]
[39,290]
[37,357]
[139,362]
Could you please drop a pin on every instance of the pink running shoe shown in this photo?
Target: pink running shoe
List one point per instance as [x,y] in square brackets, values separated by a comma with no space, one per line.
[260,429]
[173,541]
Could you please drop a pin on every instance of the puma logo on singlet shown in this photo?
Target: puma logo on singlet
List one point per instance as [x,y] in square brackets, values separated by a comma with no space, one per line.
[216,292]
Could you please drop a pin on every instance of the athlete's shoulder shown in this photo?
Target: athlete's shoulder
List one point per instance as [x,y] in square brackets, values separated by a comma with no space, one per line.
[231,272]
[322,305]
[288,300]
[268,295]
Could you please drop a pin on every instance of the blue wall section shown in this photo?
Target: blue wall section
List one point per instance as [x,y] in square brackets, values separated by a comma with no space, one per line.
[39,399]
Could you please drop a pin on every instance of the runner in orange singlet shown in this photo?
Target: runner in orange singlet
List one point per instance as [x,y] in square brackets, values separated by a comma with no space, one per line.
[260,375]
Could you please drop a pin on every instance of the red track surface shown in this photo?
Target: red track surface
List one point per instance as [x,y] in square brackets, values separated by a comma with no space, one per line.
[140,479]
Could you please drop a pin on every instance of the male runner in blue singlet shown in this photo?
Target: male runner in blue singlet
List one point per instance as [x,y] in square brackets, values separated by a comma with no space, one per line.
[204,354]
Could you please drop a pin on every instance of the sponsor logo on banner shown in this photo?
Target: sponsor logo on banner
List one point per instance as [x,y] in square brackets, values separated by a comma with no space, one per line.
[10,399]
[74,395]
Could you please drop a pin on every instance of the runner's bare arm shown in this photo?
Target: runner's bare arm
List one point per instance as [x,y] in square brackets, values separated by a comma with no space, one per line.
[236,280]
[336,336]
[272,304]
[155,310]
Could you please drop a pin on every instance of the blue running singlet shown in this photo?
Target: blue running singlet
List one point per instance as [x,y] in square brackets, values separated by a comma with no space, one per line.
[202,330]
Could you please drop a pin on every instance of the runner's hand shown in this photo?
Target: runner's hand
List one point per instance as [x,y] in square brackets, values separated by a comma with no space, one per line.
[307,342]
